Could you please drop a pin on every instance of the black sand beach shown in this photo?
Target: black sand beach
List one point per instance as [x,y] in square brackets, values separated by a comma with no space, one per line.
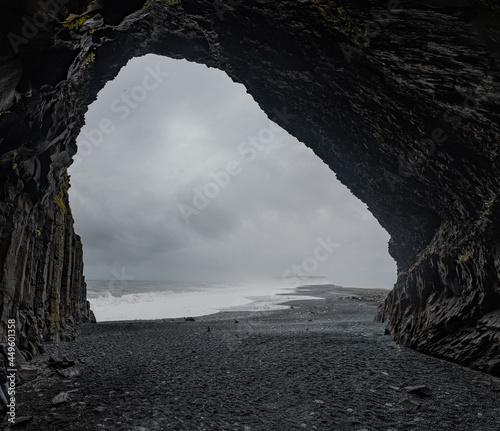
[322,365]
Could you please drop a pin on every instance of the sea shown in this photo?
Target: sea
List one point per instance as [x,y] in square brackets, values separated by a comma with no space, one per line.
[149,300]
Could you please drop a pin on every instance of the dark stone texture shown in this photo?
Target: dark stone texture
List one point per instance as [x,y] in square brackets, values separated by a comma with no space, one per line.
[274,371]
[410,124]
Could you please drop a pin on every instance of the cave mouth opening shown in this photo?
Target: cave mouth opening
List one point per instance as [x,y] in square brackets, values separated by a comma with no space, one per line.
[181,182]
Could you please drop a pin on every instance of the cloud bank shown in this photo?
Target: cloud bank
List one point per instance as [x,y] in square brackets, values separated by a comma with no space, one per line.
[181,176]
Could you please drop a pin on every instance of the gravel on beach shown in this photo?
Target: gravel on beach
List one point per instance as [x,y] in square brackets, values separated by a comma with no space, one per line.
[320,364]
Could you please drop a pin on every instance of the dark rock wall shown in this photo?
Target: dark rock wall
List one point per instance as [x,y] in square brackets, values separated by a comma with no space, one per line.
[41,266]
[400,99]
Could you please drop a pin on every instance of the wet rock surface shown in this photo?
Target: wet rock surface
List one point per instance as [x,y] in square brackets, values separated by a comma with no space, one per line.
[274,370]
[400,99]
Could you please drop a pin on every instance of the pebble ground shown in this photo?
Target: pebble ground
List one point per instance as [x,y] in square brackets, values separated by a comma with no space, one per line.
[320,365]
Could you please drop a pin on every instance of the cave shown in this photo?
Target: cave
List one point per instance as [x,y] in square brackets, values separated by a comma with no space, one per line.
[399,99]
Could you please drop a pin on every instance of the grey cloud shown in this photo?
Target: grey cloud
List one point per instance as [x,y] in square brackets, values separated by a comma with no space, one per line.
[126,193]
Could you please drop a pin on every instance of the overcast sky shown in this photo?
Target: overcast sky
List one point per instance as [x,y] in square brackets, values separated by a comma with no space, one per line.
[180,176]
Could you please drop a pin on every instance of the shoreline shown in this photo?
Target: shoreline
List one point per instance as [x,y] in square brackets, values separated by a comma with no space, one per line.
[170,302]
[320,364]
[276,302]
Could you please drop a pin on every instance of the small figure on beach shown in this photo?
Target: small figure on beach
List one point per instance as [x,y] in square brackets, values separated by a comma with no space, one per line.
[4,388]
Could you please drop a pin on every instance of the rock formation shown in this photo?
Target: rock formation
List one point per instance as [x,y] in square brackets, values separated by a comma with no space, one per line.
[400,99]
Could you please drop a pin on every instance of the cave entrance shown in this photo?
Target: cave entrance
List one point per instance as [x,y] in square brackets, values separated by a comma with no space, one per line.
[180,176]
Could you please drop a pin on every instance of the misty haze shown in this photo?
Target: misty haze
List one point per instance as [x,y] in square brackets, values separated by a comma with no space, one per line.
[132,194]
[172,258]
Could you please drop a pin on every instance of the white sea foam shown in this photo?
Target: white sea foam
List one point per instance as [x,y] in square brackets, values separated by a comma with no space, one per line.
[193,300]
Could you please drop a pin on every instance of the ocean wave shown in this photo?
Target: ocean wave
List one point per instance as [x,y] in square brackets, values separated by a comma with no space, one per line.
[183,301]
[107,298]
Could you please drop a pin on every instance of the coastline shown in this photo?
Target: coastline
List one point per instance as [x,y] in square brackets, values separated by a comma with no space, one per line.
[320,364]
[166,300]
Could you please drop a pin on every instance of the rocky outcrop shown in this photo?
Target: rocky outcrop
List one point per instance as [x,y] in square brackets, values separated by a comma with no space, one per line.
[42,285]
[399,99]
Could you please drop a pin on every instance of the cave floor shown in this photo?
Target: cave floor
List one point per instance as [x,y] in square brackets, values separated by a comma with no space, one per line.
[322,365]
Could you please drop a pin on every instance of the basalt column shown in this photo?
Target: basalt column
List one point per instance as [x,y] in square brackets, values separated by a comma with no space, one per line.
[400,99]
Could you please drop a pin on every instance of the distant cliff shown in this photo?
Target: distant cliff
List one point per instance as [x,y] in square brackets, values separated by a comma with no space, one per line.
[399,98]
